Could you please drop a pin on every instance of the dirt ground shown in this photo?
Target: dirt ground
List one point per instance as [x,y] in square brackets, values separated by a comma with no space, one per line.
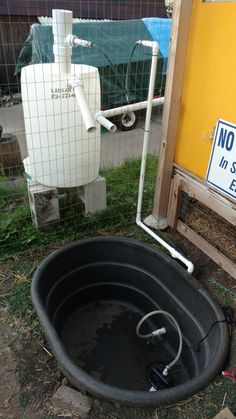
[29,373]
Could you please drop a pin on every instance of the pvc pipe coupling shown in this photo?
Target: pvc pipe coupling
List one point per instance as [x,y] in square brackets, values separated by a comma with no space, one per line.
[75,41]
[159,332]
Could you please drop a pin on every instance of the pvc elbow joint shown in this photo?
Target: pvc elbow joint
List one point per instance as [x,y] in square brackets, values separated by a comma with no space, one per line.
[151,44]
[165,372]
[176,255]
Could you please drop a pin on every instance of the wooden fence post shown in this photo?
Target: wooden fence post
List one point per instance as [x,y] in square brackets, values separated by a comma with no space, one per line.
[176,64]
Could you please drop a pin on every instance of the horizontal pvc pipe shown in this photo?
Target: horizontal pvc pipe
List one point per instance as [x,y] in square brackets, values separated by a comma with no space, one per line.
[174,253]
[105,122]
[138,106]
[86,113]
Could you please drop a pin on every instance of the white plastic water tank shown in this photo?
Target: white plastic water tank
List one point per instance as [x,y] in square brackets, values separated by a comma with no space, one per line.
[61,152]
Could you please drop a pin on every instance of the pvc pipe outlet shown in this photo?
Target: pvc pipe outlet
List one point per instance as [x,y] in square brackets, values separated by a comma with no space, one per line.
[75,41]
[105,122]
[86,113]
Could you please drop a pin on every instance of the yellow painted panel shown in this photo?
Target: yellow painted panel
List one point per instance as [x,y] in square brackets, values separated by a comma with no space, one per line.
[209,89]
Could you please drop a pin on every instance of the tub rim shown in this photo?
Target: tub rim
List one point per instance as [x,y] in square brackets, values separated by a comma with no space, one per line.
[85,382]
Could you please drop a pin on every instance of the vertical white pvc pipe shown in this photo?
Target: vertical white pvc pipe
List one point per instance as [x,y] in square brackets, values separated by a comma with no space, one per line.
[174,253]
[62,28]
[155,50]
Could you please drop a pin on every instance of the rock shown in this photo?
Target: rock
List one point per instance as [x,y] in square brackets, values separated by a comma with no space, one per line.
[73,401]
[58,374]
[16,97]
[225,414]
[64,381]
[96,403]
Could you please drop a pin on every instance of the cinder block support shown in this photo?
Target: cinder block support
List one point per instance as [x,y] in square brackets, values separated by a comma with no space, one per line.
[44,204]
[94,195]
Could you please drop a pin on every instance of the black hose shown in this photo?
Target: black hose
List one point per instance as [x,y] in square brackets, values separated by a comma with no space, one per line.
[123,85]
[128,68]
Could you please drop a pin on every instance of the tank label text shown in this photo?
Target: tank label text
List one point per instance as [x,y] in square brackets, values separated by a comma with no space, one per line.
[62,93]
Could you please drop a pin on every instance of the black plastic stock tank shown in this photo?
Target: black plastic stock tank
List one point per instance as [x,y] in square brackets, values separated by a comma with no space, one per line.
[90,296]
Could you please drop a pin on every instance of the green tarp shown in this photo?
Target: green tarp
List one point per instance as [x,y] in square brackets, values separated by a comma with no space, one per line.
[116,39]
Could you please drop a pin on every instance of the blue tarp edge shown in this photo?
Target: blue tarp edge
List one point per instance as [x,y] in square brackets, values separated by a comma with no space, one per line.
[159,29]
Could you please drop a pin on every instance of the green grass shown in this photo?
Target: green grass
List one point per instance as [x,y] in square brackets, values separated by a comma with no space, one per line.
[18,234]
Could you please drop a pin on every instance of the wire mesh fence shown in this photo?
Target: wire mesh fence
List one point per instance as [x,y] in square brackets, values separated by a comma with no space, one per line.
[59,177]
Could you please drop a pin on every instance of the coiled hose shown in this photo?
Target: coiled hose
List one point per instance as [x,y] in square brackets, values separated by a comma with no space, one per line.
[148,335]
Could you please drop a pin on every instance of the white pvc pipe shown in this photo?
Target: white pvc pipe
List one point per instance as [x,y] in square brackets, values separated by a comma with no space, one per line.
[64,40]
[62,28]
[174,253]
[105,122]
[86,113]
[138,106]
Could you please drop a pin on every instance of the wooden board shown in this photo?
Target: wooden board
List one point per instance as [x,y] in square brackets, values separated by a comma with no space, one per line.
[225,263]
[14,30]
[175,72]
[175,201]
[202,192]
[10,156]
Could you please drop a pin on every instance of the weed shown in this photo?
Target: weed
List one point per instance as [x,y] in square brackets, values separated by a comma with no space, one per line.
[2,178]
[19,301]
[24,376]
[222,294]
[23,399]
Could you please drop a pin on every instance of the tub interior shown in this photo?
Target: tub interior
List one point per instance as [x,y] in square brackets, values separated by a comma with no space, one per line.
[95,311]
[105,345]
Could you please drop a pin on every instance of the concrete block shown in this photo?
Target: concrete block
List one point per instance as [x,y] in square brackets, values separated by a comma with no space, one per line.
[94,196]
[152,222]
[44,204]
[68,399]
[224,414]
